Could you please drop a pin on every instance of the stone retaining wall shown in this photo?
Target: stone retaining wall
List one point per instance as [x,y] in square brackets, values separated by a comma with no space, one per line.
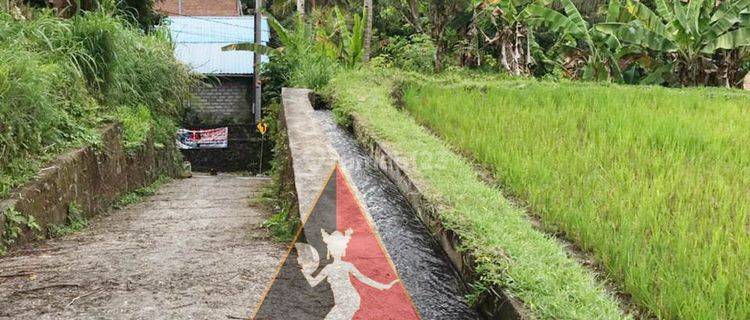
[91,177]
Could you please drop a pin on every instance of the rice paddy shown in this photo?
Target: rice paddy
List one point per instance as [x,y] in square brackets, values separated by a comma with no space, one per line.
[509,253]
[654,182]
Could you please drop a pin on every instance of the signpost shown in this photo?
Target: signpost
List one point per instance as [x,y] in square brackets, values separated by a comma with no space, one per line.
[262,128]
[257,60]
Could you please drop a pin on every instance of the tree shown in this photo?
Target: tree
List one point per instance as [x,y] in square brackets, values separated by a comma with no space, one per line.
[368,31]
[301,7]
[442,13]
[704,43]
[579,46]
[511,36]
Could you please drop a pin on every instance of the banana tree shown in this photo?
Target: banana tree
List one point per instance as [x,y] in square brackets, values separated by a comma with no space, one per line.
[352,44]
[579,46]
[332,38]
[340,40]
[705,43]
[511,33]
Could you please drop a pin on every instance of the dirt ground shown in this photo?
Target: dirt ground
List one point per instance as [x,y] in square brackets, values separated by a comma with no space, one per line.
[192,251]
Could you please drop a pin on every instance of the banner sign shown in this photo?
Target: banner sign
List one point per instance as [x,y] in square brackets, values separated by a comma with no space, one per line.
[203,139]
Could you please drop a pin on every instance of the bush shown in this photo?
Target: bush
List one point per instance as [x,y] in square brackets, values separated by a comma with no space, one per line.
[59,78]
[136,124]
[415,53]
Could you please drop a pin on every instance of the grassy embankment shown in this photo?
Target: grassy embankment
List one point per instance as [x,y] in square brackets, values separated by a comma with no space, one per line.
[508,250]
[653,181]
[61,78]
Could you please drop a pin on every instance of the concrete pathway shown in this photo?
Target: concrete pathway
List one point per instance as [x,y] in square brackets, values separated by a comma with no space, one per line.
[192,251]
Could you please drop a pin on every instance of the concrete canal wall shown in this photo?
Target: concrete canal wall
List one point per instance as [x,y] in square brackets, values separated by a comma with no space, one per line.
[311,154]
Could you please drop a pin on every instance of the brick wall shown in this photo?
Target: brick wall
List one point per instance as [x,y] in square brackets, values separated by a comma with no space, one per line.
[225,99]
[199,7]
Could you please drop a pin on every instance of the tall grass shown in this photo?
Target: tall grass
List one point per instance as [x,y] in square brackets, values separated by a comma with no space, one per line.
[653,181]
[60,78]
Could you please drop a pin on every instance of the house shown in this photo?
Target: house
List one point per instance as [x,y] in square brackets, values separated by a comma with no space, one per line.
[226,96]
[199,30]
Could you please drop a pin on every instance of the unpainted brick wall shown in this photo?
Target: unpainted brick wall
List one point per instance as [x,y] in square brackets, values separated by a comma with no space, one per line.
[225,99]
[199,7]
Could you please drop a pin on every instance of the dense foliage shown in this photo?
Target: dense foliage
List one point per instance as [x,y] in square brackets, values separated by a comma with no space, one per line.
[654,181]
[673,43]
[60,78]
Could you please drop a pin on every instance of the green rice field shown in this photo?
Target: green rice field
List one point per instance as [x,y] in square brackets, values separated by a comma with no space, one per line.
[654,182]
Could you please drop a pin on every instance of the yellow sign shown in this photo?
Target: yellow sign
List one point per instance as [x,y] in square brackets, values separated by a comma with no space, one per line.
[262,127]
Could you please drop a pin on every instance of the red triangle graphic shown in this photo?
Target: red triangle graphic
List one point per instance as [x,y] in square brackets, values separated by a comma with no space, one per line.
[347,272]
[369,256]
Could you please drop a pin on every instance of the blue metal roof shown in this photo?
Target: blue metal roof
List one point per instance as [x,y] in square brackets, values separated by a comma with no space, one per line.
[198,42]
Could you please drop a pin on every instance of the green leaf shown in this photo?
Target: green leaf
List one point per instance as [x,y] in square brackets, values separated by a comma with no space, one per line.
[649,19]
[681,16]
[657,77]
[250,46]
[726,16]
[613,10]
[555,21]
[575,16]
[638,36]
[730,40]
[664,10]
[281,32]
[694,9]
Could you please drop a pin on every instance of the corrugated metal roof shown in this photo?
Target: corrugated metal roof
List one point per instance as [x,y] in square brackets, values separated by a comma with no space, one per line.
[198,43]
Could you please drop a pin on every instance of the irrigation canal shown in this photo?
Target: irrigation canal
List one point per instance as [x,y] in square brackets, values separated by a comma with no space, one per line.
[434,285]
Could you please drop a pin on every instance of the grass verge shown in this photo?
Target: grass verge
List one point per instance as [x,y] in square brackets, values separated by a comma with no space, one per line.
[653,181]
[509,252]
[279,196]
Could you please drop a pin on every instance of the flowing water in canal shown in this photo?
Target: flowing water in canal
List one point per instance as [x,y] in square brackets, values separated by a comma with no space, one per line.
[431,280]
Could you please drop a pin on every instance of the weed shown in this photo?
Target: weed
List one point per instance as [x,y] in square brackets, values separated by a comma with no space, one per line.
[59,80]
[281,226]
[137,123]
[15,222]
[75,221]
[138,195]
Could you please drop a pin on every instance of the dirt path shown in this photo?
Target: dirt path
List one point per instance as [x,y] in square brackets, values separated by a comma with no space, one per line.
[192,251]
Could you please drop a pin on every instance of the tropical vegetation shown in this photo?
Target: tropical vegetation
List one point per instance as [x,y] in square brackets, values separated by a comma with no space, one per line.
[649,180]
[61,78]
[671,43]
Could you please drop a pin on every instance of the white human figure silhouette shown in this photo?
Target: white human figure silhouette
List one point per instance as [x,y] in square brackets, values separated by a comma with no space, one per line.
[345,296]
